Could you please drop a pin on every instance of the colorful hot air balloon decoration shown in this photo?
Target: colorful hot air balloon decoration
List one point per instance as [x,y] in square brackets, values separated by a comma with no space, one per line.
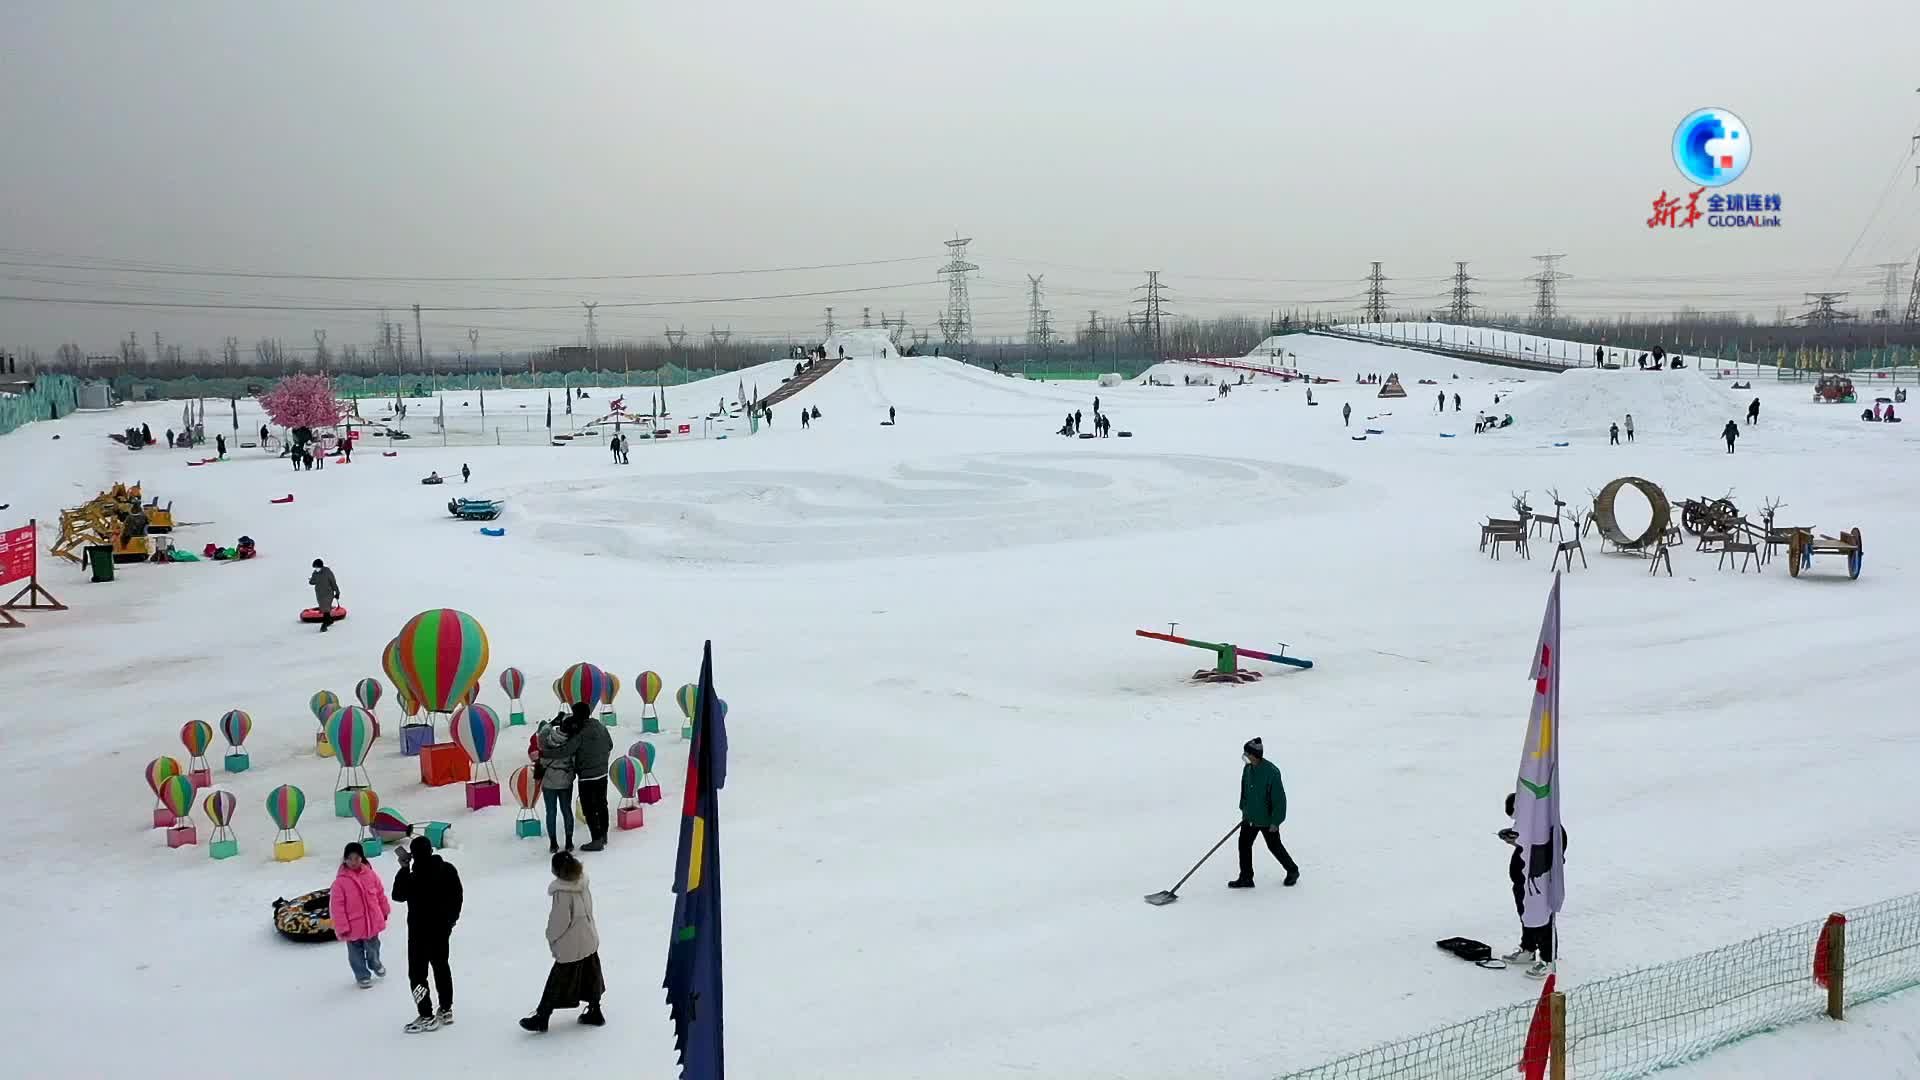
[367,692]
[583,683]
[219,807]
[285,804]
[607,716]
[556,691]
[390,825]
[196,736]
[648,684]
[158,770]
[526,793]
[320,704]
[649,790]
[626,774]
[350,733]
[235,726]
[176,794]
[476,730]
[442,654]
[363,805]
[513,681]
[688,697]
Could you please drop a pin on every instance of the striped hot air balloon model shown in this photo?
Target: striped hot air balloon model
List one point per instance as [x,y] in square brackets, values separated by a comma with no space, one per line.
[176,794]
[285,804]
[648,684]
[235,726]
[688,698]
[607,716]
[158,770]
[526,794]
[320,704]
[219,807]
[476,730]
[514,682]
[364,804]
[196,736]
[626,774]
[350,731]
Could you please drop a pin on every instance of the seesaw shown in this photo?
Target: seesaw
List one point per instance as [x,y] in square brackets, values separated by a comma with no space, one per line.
[1226,657]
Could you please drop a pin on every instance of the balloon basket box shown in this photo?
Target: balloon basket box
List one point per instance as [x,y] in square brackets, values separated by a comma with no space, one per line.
[608,718]
[237,762]
[182,835]
[444,763]
[321,747]
[631,817]
[482,793]
[686,732]
[223,849]
[289,850]
[415,738]
[527,829]
[163,818]
[516,719]
[202,778]
[438,833]
[343,801]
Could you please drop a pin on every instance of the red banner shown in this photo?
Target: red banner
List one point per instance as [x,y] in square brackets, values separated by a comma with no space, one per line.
[17,554]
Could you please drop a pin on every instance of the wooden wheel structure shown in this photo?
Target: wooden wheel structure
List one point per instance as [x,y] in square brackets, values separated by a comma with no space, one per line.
[1804,545]
[1610,530]
[1709,515]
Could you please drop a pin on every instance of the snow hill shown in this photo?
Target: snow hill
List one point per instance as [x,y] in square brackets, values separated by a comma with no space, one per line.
[1584,401]
[865,341]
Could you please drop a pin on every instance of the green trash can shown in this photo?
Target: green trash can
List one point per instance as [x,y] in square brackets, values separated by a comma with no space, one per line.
[100,561]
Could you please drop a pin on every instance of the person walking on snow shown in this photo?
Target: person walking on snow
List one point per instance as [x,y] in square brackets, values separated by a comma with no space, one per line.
[805,420]
[1753,411]
[1346,414]
[573,938]
[220,446]
[1537,943]
[1456,402]
[1443,402]
[1629,427]
[326,590]
[891,416]
[359,908]
[1730,433]
[466,474]
[430,887]
[1613,435]
[1263,808]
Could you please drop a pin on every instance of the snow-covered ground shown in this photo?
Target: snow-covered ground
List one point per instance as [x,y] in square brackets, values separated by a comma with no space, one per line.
[955,770]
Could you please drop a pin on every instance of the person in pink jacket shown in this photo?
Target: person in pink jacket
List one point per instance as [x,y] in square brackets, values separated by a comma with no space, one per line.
[359,908]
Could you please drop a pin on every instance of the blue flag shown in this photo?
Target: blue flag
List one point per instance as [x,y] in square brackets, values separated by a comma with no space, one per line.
[693,982]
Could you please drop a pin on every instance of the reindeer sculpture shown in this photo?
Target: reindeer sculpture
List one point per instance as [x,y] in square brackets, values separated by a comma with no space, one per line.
[1549,524]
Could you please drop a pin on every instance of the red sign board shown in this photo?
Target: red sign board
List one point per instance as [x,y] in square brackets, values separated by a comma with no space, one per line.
[17,554]
[686,429]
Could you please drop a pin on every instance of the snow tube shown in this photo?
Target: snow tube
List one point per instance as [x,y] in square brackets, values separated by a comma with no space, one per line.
[1376,431]
[1359,438]
[389,453]
[484,531]
[433,479]
[1446,434]
[312,614]
[195,464]
[281,502]
[307,919]
[1562,444]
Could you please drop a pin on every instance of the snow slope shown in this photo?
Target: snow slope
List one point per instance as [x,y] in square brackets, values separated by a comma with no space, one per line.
[1584,401]
[955,770]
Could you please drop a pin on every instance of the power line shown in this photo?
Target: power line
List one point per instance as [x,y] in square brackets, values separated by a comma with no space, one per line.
[102,302]
[277,275]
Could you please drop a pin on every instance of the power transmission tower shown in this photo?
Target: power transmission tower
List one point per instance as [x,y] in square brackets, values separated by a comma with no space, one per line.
[1152,312]
[1094,330]
[1546,289]
[1823,309]
[866,318]
[829,323]
[675,337]
[1376,296]
[1461,309]
[419,338]
[1892,286]
[473,339]
[593,330]
[720,337]
[1913,299]
[1039,325]
[956,323]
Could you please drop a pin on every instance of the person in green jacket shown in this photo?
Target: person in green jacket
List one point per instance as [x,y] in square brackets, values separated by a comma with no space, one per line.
[1263,807]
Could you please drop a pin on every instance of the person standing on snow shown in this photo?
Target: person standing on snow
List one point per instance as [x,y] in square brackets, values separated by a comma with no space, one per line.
[1443,402]
[554,765]
[430,887]
[1456,402]
[589,747]
[573,938]
[1537,943]
[892,416]
[1753,411]
[466,474]
[359,908]
[1613,435]
[1346,414]
[1629,427]
[1263,808]
[326,590]
[220,446]
[1730,433]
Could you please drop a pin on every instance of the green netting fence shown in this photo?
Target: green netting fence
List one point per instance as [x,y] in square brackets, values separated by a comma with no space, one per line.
[51,397]
[1634,1024]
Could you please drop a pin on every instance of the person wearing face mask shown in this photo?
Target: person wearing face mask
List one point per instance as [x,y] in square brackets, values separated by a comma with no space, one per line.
[1263,808]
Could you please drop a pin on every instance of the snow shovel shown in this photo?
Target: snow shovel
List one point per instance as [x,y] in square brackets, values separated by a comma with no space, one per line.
[1168,896]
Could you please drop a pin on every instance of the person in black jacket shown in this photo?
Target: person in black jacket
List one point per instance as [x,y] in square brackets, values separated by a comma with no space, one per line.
[588,749]
[1536,943]
[430,887]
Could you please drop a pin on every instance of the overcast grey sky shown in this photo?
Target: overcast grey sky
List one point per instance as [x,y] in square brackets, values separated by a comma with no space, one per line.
[1215,141]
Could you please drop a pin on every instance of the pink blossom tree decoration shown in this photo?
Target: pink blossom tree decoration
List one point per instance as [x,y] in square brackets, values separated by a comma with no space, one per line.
[302,401]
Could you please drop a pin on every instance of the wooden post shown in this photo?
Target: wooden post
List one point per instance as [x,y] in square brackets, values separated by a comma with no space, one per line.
[1557,1042]
[1837,969]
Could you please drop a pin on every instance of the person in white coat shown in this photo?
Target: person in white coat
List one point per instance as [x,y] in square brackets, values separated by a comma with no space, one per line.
[574,940]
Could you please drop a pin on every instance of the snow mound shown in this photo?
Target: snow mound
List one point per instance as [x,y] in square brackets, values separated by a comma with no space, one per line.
[866,341]
[1584,401]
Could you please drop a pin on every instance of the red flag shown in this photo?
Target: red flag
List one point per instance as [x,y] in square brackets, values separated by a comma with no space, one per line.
[1533,1059]
[1820,951]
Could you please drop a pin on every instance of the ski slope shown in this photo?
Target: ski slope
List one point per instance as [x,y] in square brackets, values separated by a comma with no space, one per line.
[954,769]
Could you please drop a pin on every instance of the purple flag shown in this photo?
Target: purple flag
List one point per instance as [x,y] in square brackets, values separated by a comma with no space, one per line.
[1536,803]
